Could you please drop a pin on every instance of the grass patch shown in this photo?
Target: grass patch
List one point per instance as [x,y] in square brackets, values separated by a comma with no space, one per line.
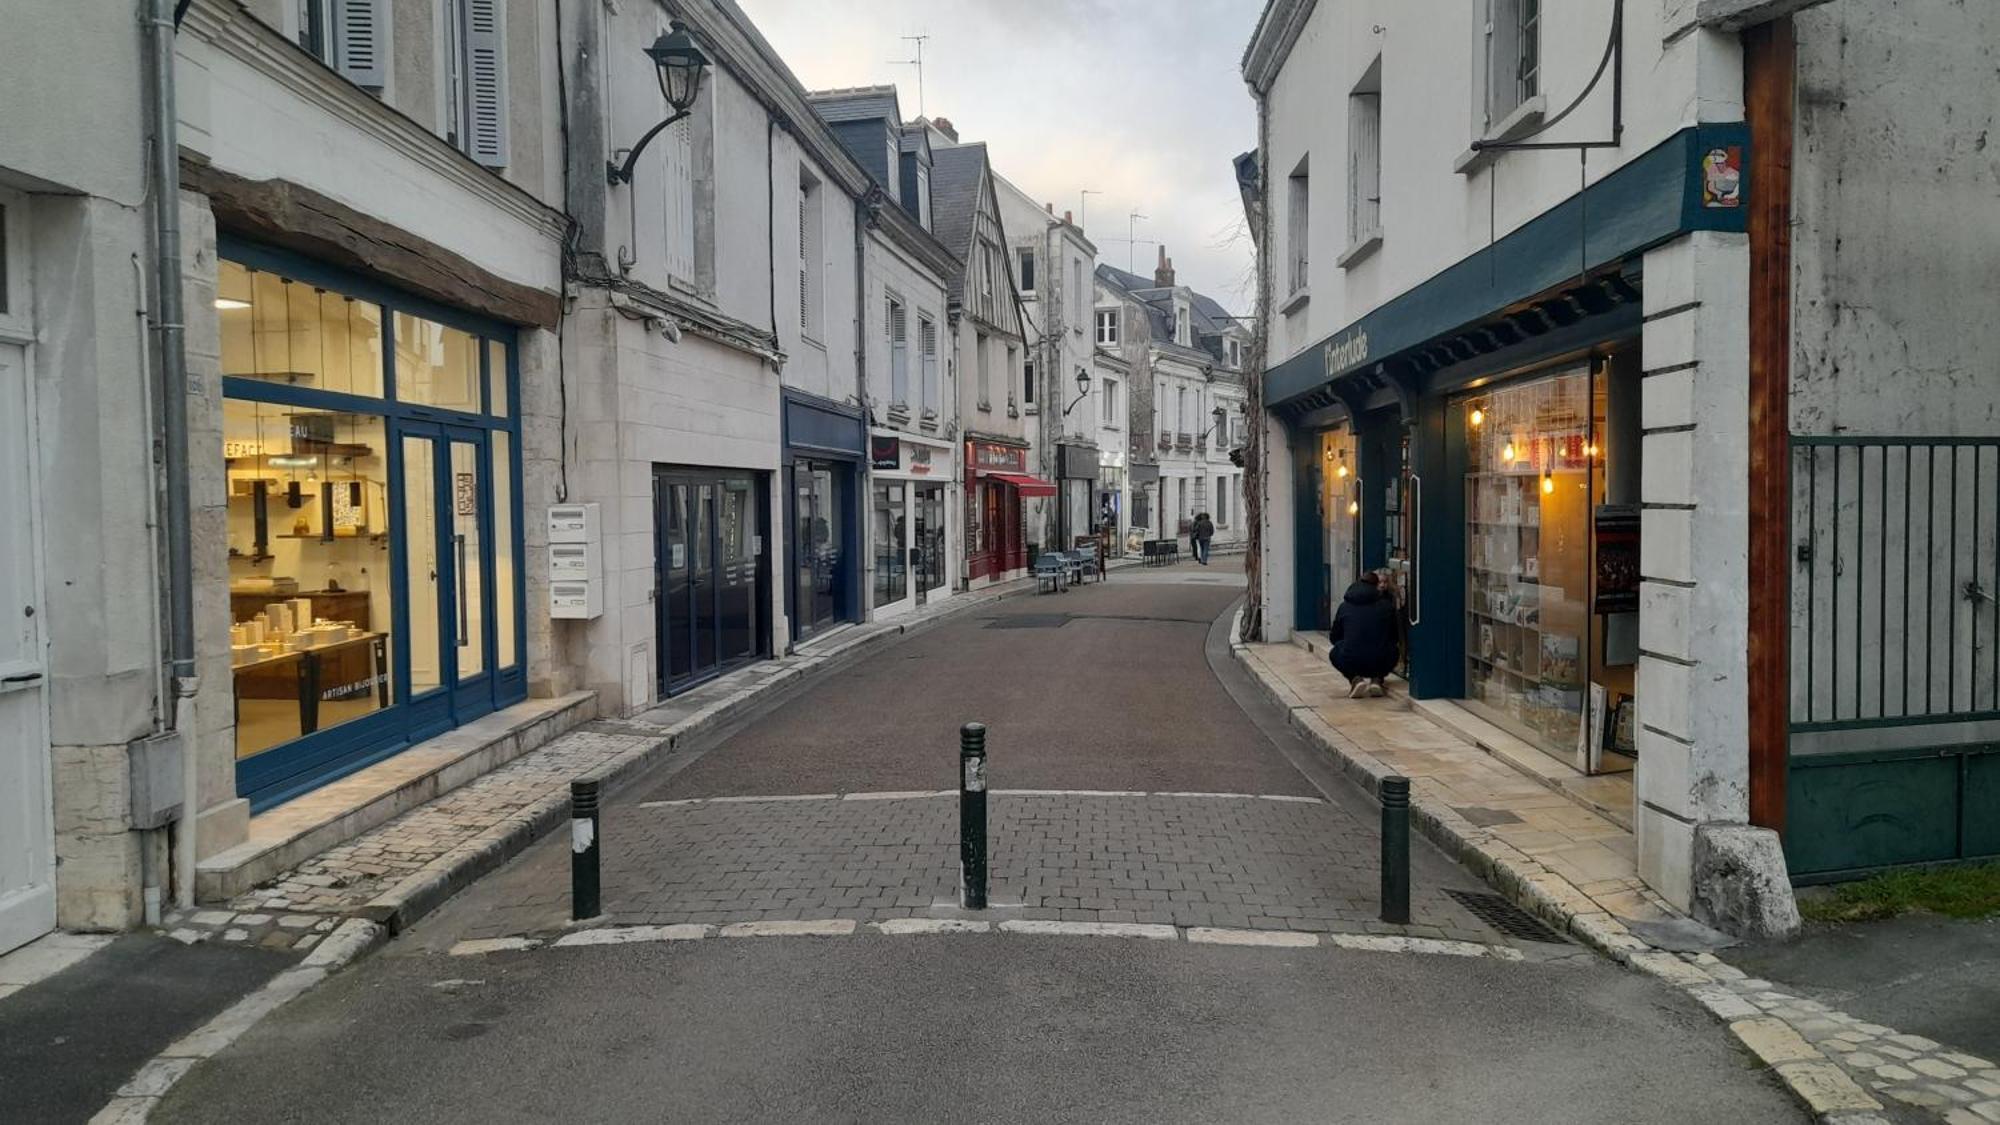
[1968,891]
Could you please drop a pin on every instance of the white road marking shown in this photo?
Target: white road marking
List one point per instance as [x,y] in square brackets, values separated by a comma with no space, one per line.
[1284,939]
[824,927]
[899,795]
[625,935]
[930,794]
[1385,943]
[1072,793]
[1091,929]
[1295,800]
[777,797]
[932,926]
[477,946]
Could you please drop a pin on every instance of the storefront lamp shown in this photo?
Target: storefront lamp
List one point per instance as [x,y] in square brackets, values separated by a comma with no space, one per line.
[681,66]
[1477,417]
[1548,483]
[1354,507]
[1507,454]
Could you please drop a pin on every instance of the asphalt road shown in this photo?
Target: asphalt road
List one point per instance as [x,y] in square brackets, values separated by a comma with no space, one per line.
[980,1028]
[1123,686]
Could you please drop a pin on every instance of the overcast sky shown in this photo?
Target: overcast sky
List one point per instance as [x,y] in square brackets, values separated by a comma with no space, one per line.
[1138,99]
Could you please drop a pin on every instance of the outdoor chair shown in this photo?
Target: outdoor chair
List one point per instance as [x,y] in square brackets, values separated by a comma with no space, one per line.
[1052,568]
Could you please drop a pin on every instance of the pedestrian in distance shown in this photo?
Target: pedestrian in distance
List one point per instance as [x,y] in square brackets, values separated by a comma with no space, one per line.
[1364,638]
[1204,530]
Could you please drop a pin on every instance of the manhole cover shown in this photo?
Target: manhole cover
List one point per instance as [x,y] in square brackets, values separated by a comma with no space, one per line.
[1029,621]
[1504,916]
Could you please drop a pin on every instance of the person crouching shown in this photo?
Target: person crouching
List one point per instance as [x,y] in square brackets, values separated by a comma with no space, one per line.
[1364,638]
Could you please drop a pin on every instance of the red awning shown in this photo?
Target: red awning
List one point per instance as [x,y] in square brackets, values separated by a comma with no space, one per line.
[1029,486]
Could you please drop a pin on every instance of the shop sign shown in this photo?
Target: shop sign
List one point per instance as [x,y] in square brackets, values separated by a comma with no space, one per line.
[465,494]
[884,452]
[920,460]
[1079,462]
[1617,559]
[1349,349]
[996,458]
[1722,177]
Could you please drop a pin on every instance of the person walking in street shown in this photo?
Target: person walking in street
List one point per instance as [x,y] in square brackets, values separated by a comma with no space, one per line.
[1204,530]
[1364,638]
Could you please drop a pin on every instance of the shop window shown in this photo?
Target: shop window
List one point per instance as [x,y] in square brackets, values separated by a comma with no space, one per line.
[278,330]
[892,580]
[1532,483]
[507,642]
[308,541]
[436,365]
[497,401]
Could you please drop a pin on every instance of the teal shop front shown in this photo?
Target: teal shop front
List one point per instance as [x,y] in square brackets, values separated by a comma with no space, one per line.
[372,468]
[1475,442]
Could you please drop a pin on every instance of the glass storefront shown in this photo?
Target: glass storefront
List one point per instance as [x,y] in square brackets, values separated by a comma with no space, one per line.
[892,575]
[1533,480]
[931,544]
[373,545]
[709,563]
[819,540]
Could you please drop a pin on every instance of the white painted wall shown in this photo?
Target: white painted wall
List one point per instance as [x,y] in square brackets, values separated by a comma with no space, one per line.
[1434,216]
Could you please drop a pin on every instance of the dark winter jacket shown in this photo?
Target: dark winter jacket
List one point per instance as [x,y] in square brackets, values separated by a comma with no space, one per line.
[1364,633]
[1204,528]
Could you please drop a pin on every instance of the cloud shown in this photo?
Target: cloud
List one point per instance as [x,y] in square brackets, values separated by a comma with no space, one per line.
[1138,100]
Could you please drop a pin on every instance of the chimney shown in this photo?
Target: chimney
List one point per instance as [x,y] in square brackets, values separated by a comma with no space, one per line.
[1067,219]
[1051,207]
[943,125]
[1163,274]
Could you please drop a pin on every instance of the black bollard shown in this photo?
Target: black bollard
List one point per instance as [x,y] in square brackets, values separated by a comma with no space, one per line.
[1396,850]
[972,815]
[583,841]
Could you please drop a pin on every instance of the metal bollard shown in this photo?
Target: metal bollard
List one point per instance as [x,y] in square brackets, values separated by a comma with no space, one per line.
[1395,794]
[583,838]
[972,815]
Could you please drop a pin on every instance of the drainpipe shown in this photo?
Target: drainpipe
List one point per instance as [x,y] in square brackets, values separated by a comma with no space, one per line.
[169,322]
[862,216]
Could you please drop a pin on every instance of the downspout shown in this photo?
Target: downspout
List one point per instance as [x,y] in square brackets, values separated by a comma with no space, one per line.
[171,325]
[861,219]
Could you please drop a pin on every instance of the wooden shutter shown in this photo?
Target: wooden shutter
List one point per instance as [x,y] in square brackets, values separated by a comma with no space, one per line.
[927,338]
[805,320]
[1364,166]
[899,355]
[485,82]
[360,36]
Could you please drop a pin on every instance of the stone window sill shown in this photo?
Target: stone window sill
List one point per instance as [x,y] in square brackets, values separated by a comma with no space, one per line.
[1299,299]
[1526,117]
[1360,251]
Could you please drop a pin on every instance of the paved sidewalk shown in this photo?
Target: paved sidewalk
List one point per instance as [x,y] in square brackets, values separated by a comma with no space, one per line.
[1242,862]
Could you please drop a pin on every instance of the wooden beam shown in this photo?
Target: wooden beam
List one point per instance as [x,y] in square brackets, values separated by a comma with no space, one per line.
[1769,74]
[1741,15]
[283,214]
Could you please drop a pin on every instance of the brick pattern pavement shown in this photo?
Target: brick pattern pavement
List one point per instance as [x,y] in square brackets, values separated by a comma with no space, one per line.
[1224,861]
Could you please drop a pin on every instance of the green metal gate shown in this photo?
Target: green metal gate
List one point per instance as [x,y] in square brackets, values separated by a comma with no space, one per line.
[1895,651]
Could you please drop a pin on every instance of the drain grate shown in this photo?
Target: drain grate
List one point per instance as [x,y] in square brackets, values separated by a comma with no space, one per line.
[1504,916]
[1029,621]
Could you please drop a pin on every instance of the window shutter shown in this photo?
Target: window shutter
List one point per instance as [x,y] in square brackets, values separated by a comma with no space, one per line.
[927,337]
[486,83]
[899,355]
[679,190]
[805,321]
[359,36]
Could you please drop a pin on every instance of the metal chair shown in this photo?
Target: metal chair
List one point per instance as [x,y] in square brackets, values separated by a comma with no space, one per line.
[1054,568]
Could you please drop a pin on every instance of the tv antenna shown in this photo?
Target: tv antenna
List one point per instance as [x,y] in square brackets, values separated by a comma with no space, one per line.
[917,62]
[1132,240]
[1083,204]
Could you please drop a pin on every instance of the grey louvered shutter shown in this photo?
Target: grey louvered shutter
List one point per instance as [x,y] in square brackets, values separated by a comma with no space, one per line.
[486,82]
[360,37]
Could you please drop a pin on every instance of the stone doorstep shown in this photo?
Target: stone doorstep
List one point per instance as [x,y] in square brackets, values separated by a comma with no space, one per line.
[1530,762]
[283,837]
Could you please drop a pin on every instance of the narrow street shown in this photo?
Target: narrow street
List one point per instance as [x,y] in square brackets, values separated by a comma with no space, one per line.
[1138,782]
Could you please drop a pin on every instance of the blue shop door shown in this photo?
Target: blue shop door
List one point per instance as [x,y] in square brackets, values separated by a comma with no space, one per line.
[447,564]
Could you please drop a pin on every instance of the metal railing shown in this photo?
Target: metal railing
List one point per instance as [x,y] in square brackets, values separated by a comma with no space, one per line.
[1895,571]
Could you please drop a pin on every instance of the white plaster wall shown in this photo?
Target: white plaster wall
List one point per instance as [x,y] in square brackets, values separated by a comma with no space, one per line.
[264,111]
[639,399]
[1433,216]
[822,365]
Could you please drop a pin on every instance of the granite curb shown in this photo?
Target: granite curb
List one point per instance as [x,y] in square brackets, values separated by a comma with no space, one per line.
[1808,1074]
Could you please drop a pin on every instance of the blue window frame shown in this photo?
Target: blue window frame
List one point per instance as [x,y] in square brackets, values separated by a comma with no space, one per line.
[450,484]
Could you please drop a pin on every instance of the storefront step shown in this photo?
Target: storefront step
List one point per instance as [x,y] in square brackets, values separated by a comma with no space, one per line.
[1608,795]
[288,834]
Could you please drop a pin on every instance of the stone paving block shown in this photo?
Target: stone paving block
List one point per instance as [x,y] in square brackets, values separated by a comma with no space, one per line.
[1773,1040]
[1825,1087]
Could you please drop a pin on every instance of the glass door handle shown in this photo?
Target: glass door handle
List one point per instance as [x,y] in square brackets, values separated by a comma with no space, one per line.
[1416,549]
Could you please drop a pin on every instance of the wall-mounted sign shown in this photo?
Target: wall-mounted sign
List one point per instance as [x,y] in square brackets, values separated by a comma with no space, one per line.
[920,460]
[996,458]
[465,494]
[1349,349]
[1722,177]
[884,451]
[1617,559]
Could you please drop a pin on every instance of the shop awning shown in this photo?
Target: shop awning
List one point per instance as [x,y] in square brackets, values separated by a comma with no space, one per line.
[1029,486]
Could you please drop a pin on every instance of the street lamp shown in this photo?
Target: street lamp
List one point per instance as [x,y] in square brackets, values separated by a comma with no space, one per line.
[1082,389]
[681,65]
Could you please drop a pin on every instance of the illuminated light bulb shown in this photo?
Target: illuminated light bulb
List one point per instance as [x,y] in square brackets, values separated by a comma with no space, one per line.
[230,303]
[1354,507]
[1478,416]
[1548,483]
[1590,450]
[1342,471]
[1507,454]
